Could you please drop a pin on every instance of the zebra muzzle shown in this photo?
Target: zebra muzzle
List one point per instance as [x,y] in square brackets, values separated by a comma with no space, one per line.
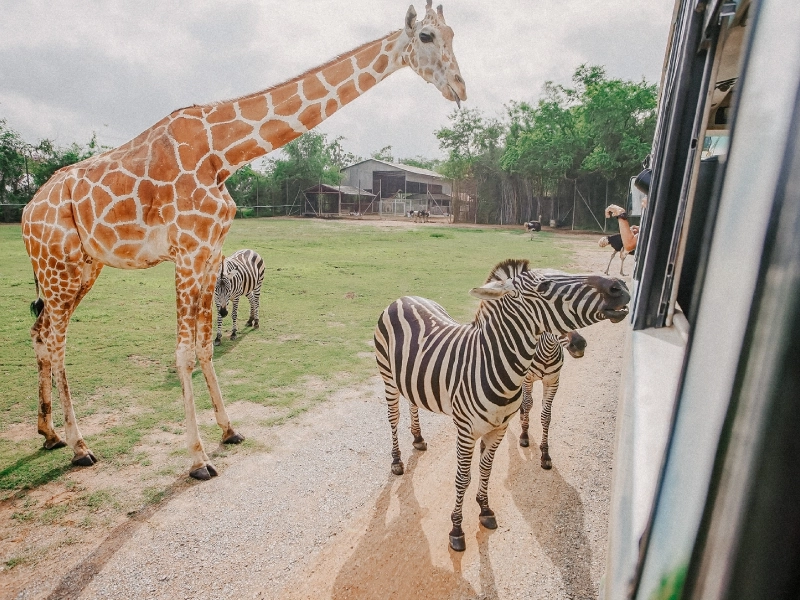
[223,311]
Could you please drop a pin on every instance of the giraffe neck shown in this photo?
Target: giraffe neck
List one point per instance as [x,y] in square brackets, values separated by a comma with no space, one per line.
[246,128]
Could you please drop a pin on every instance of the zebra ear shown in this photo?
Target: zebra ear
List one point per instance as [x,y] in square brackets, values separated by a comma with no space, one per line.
[492,290]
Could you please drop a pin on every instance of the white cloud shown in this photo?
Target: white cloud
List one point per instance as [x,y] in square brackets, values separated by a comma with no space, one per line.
[116,67]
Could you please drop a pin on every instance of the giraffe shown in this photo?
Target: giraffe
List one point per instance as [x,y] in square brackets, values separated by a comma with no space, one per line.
[161,197]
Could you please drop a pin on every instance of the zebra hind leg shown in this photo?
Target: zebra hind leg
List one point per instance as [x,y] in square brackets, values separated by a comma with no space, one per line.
[489,444]
[465,445]
[233,316]
[419,441]
[393,404]
[525,411]
[253,320]
[549,393]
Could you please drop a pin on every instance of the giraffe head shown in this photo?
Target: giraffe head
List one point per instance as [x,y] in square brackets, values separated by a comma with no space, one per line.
[429,52]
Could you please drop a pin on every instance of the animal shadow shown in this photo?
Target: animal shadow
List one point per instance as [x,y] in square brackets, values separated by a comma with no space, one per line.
[554,511]
[393,560]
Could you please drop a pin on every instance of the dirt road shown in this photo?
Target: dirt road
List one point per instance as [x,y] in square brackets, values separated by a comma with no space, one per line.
[321,516]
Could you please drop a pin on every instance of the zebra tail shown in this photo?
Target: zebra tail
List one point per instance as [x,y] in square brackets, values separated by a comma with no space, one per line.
[37,306]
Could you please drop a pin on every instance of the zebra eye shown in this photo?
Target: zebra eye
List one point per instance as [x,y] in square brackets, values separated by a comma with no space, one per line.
[543,287]
[426,38]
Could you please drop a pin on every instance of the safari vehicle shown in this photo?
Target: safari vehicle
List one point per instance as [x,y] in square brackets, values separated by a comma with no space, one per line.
[706,482]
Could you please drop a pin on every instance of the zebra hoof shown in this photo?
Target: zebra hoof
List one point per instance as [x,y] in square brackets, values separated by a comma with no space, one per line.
[217,341]
[204,473]
[523,441]
[547,464]
[458,543]
[234,438]
[420,444]
[397,467]
[489,521]
[234,336]
[255,325]
[57,443]
[87,460]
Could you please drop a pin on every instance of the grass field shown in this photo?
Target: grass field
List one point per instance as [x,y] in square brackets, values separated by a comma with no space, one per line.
[326,283]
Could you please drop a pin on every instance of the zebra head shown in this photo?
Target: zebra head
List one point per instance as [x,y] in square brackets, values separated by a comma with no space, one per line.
[576,345]
[550,300]
[222,291]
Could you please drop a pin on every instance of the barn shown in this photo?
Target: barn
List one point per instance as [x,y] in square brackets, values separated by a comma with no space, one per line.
[399,188]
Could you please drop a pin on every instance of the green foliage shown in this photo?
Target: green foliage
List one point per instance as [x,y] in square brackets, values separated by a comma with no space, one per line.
[304,162]
[596,131]
[384,153]
[326,283]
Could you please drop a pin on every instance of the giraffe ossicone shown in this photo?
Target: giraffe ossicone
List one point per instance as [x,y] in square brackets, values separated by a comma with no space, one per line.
[161,197]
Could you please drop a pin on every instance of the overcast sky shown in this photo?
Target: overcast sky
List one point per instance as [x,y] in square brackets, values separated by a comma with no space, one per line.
[68,69]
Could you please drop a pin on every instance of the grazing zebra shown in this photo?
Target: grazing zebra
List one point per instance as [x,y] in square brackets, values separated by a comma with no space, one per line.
[240,275]
[547,362]
[474,371]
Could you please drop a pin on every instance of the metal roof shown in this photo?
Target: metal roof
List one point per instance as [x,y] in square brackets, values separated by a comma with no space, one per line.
[336,189]
[401,167]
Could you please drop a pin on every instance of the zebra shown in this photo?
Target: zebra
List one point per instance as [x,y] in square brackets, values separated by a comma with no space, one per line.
[548,358]
[473,372]
[546,367]
[239,275]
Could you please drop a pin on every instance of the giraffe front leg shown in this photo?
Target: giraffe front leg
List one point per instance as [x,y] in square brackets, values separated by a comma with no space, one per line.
[189,291]
[419,441]
[549,392]
[205,354]
[234,314]
[465,445]
[525,411]
[489,444]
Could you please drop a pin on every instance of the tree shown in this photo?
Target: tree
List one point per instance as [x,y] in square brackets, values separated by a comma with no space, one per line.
[14,185]
[384,153]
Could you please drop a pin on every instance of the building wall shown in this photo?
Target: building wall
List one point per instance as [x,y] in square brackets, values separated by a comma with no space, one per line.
[362,172]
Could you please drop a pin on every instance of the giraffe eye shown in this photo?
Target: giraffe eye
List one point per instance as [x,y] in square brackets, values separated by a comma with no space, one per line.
[426,38]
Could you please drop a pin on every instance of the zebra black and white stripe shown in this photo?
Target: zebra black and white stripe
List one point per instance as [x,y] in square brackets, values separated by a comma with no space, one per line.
[546,367]
[474,371]
[240,275]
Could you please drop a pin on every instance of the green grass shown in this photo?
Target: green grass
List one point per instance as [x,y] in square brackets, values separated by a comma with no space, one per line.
[326,283]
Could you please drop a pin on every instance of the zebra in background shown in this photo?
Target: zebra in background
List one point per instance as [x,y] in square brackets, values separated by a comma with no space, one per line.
[240,275]
[546,367]
[474,371]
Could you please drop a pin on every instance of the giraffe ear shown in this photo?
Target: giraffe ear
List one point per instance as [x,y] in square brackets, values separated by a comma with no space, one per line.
[411,20]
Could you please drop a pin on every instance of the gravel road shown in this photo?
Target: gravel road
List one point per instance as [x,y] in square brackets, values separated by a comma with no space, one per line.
[321,516]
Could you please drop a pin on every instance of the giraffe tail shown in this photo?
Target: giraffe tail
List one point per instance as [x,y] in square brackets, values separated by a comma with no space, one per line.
[37,306]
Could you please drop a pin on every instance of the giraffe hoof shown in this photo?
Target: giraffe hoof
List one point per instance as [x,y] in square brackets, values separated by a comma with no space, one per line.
[204,473]
[420,444]
[234,438]
[488,520]
[458,543]
[87,460]
[523,441]
[57,443]
[397,468]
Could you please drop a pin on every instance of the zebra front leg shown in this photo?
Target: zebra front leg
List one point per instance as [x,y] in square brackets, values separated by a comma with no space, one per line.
[525,410]
[549,392]
[465,445]
[218,338]
[419,441]
[393,404]
[233,316]
[489,444]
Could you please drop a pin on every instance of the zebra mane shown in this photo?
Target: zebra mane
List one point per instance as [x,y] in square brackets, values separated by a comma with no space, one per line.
[508,269]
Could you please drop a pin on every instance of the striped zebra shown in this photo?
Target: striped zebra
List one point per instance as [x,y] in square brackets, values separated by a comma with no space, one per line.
[473,372]
[546,367]
[239,275]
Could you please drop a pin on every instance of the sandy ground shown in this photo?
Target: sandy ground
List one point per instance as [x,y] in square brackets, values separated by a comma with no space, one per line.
[321,516]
